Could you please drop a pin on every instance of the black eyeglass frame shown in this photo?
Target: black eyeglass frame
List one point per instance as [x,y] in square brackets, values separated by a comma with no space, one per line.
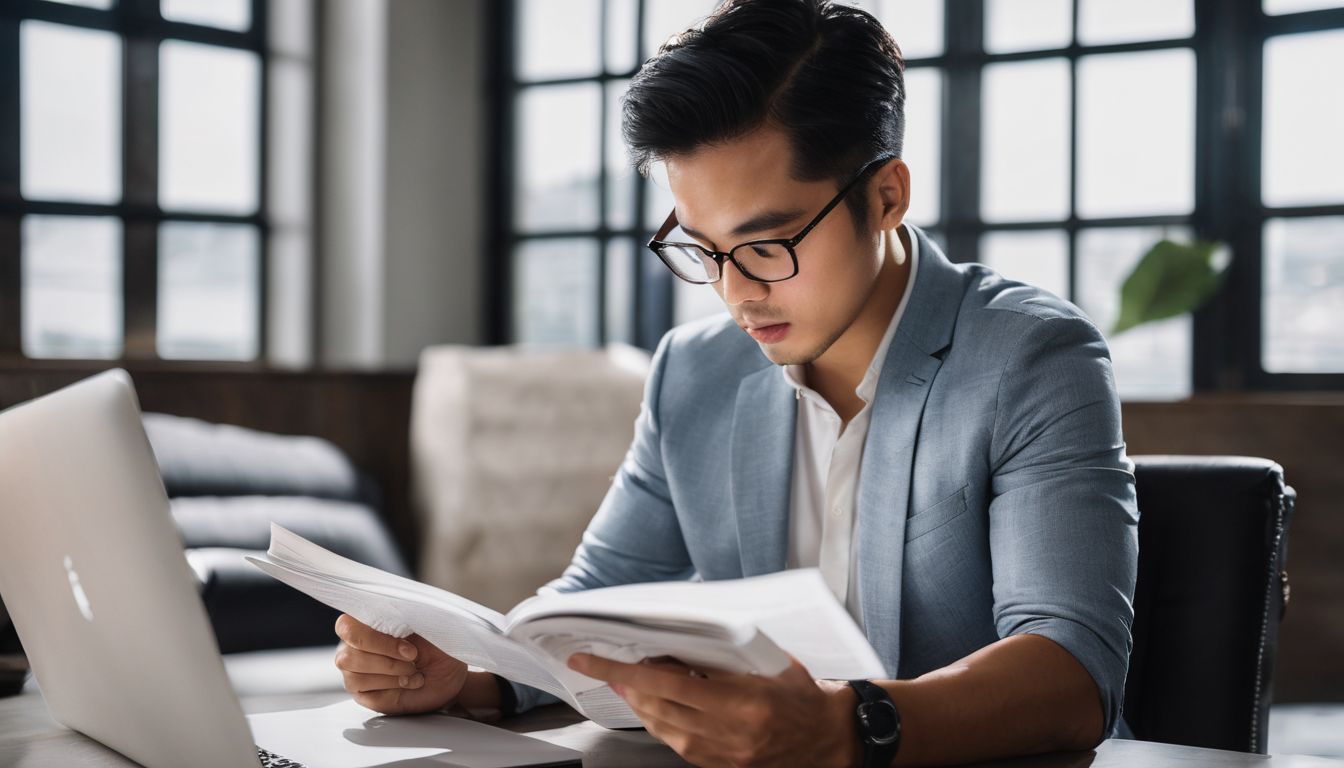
[657,244]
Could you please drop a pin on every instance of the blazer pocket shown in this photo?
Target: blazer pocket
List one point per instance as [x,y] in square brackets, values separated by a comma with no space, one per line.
[936,516]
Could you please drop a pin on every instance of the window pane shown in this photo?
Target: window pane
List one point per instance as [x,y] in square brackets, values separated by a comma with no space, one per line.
[665,18]
[1123,21]
[71,274]
[1027,25]
[555,292]
[1152,362]
[1025,141]
[557,153]
[1136,133]
[1276,7]
[916,25]
[558,39]
[621,290]
[225,14]
[1039,258]
[923,117]
[1303,119]
[209,128]
[209,288]
[1303,295]
[621,178]
[622,35]
[70,113]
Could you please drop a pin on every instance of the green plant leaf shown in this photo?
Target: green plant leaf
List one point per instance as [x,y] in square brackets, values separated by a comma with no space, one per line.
[1170,280]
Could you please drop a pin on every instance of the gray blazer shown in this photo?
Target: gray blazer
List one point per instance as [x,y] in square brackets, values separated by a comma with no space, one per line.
[994,497]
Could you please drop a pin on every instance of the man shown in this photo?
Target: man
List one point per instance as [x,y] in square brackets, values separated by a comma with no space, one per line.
[942,443]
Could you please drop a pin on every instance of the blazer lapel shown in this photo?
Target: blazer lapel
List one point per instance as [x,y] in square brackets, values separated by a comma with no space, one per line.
[762,465]
[913,360]
[884,492]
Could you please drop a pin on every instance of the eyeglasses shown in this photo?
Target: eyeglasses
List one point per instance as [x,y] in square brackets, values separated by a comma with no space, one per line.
[765,261]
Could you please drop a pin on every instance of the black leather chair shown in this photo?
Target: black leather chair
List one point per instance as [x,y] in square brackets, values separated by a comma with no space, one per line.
[1212,589]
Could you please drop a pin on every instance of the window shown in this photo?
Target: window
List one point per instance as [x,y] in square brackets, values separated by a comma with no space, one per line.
[1302,191]
[1087,135]
[132,185]
[1055,140]
[576,269]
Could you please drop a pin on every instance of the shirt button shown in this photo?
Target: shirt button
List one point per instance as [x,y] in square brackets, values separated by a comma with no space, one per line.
[837,510]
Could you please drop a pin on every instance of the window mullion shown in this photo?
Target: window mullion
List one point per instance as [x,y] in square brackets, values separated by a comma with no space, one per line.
[960,148]
[140,169]
[653,287]
[10,272]
[500,184]
[1227,156]
[259,34]
[602,202]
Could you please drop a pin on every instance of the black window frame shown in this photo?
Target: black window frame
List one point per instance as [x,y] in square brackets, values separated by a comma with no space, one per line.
[1228,331]
[1227,44]
[652,290]
[141,28]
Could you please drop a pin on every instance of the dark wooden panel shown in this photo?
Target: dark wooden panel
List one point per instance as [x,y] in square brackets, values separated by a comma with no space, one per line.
[1305,434]
[366,414]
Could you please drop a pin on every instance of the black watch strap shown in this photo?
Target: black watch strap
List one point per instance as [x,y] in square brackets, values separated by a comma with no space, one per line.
[877,722]
[508,698]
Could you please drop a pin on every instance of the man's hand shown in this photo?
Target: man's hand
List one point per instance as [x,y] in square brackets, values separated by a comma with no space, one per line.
[722,719]
[392,676]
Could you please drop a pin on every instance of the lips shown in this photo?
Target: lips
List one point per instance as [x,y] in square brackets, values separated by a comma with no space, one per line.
[769,334]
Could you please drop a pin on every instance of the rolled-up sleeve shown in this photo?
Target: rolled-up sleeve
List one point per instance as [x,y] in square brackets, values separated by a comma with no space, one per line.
[1064,520]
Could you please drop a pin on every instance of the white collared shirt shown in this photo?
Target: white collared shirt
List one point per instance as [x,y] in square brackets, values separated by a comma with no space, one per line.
[823,502]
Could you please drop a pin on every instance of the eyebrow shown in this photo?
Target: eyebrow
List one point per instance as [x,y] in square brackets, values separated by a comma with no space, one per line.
[759,223]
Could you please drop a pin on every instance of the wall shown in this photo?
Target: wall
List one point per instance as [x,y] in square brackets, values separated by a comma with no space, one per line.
[435,207]
[402,227]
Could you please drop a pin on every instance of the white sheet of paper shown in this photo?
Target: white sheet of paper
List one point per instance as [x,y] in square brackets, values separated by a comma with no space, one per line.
[346,735]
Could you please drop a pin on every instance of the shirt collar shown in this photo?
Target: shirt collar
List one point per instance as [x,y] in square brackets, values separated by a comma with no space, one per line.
[867,388]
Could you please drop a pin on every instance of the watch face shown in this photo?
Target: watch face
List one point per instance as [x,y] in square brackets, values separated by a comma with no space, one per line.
[879,721]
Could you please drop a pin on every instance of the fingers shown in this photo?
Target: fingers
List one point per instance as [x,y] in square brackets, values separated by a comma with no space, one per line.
[671,713]
[362,637]
[356,682]
[663,680]
[351,660]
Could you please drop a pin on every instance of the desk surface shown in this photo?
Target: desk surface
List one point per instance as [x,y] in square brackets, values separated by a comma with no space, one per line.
[29,738]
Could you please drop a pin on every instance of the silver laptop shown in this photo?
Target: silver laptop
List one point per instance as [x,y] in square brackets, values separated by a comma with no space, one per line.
[95,579]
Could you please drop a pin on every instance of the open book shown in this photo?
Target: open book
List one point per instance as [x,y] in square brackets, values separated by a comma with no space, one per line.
[742,625]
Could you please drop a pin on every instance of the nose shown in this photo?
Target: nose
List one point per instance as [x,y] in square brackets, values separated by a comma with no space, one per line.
[736,288]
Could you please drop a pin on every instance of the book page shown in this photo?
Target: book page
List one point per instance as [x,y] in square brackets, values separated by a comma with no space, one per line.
[397,613]
[793,608]
[401,607]
[290,548]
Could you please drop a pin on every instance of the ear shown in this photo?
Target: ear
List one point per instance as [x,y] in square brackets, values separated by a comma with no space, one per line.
[891,194]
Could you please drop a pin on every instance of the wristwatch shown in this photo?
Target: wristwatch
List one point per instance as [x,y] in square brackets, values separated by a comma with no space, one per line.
[878,724]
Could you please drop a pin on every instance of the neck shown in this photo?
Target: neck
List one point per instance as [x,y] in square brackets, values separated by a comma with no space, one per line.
[837,373]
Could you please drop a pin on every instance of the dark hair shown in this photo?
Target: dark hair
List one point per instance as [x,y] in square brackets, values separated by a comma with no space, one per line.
[828,75]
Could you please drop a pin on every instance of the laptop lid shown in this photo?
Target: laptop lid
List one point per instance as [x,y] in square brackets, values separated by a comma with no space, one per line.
[97,584]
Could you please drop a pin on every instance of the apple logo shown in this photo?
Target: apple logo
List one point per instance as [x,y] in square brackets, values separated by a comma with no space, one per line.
[81,599]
